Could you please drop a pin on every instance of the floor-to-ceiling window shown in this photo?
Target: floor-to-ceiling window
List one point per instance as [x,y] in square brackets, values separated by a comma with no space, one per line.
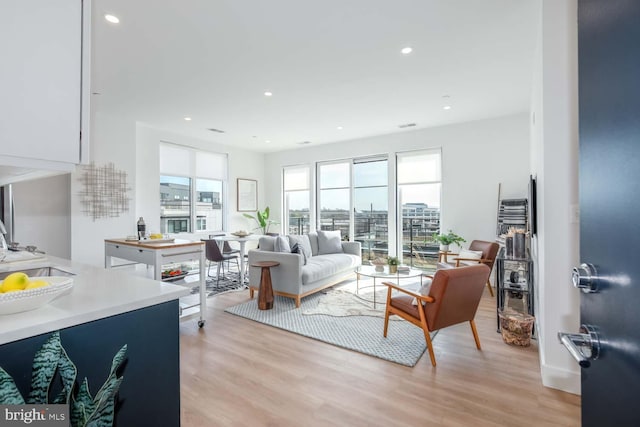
[353,198]
[371,206]
[297,199]
[419,179]
[334,197]
[192,186]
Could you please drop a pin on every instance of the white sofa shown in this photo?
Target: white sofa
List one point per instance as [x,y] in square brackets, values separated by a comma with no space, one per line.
[295,279]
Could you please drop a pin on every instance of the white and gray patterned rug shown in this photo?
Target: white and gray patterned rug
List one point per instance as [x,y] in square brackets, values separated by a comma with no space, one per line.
[404,344]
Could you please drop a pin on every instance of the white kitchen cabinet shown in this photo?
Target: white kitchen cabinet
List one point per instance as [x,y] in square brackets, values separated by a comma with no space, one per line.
[43,82]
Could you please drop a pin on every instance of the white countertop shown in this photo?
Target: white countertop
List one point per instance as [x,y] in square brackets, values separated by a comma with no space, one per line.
[97,293]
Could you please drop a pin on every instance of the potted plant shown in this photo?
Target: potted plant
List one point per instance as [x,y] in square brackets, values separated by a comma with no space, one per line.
[262,218]
[446,239]
[393,264]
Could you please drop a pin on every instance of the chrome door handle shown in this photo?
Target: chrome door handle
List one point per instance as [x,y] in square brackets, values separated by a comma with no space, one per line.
[584,347]
[585,278]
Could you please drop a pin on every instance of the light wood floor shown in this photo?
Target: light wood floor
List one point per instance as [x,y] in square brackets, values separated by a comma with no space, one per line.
[236,372]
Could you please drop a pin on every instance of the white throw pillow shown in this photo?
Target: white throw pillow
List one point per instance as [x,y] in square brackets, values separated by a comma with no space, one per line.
[329,242]
[466,253]
[424,290]
[281,244]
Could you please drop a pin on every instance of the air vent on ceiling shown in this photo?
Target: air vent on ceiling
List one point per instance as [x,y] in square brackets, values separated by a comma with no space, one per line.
[303,142]
[216,130]
[406,125]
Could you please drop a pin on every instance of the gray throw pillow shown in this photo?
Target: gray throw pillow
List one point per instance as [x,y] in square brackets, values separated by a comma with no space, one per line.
[266,243]
[329,242]
[297,249]
[281,244]
[303,242]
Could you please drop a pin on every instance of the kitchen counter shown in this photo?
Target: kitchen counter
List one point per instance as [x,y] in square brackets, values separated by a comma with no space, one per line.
[96,294]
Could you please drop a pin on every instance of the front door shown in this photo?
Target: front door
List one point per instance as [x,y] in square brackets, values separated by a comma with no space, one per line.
[609,115]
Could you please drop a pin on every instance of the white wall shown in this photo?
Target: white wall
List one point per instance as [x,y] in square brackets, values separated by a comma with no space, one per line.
[476,156]
[42,213]
[113,140]
[554,159]
[134,148]
[242,164]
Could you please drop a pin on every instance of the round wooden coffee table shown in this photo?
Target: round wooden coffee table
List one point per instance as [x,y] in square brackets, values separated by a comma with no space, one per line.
[265,292]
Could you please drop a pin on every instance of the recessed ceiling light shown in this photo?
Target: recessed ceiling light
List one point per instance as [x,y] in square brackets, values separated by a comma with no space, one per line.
[268,94]
[112,18]
[267,141]
[188,119]
[406,50]
[447,107]
[339,128]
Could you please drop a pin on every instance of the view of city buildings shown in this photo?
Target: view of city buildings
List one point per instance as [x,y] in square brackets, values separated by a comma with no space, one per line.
[419,223]
[175,206]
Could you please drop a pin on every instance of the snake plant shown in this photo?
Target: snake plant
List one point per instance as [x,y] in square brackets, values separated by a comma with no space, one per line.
[52,359]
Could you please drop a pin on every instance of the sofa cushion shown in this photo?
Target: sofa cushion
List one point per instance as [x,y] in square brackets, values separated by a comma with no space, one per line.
[323,266]
[266,243]
[313,240]
[329,242]
[281,244]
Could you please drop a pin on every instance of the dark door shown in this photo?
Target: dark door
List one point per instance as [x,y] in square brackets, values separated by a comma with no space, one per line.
[609,114]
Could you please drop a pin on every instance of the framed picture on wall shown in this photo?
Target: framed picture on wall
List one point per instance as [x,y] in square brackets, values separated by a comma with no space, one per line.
[247,195]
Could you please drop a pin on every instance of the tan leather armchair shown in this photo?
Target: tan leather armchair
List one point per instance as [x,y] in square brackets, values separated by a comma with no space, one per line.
[488,258]
[453,298]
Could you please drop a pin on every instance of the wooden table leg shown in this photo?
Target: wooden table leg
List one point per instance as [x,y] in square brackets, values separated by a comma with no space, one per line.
[265,293]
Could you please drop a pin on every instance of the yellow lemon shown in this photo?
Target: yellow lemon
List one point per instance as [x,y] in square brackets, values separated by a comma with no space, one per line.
[15,282]
[36,284]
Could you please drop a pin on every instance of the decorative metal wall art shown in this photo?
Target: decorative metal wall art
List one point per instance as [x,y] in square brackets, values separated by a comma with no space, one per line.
[104,193]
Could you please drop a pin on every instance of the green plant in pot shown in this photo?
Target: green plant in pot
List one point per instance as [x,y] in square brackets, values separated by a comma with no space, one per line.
[393,264]
[262,219]
[446,239]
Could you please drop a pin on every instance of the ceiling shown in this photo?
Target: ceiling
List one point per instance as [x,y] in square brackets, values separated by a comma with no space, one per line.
[329,64]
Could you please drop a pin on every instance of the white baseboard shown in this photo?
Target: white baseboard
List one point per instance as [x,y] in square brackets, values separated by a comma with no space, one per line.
[561,379]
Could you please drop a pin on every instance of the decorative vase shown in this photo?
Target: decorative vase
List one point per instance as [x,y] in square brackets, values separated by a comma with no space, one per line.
[380,268]
[444,248]
[393,269]
[508,243]
[519,246]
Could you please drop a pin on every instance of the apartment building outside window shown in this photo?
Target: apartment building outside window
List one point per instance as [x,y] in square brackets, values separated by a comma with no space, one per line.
[192,184]
[419,179]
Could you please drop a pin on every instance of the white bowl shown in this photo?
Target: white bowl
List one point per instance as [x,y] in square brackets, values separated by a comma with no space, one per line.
[16,302]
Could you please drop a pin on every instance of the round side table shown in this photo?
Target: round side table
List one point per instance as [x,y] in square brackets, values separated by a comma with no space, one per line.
[265,292]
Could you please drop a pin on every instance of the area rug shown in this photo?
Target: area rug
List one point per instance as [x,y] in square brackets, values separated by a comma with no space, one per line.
[342,303]
[404,344]
[215,287]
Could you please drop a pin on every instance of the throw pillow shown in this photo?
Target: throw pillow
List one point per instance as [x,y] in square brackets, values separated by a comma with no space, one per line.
[466,253]
[266,243]
[303,242]
[297,249]
[329,242]
[281,244]
[424,290]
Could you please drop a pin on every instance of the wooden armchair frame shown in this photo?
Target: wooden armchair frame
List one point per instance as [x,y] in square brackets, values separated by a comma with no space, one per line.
[422,321]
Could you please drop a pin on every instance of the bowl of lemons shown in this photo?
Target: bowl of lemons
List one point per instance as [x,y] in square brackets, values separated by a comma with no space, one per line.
[19,292]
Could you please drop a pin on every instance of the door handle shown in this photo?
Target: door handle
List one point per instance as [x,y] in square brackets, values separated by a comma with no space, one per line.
[584,347]
[585,278]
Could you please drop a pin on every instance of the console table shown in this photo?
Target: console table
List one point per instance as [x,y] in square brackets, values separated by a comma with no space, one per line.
[158,254]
